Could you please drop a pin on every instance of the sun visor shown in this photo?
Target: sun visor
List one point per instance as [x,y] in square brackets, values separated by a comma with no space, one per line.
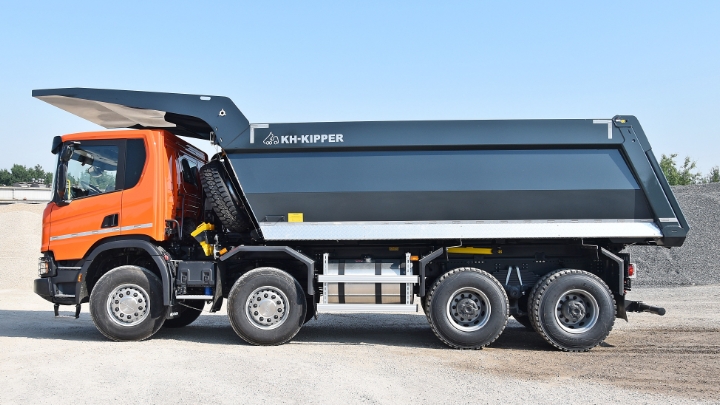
[195,116]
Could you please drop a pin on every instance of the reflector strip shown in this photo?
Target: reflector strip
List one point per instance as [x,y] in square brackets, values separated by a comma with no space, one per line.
[100,231]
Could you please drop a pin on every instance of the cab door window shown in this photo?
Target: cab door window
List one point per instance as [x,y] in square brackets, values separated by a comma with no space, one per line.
[92,170]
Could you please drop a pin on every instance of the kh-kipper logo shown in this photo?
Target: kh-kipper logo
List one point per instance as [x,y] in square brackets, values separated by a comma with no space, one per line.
[273,139]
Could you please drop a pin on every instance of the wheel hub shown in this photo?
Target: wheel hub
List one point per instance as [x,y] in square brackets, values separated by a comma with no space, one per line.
[128,305]
[576,311]
[468,309]
[573,310]
[267,307]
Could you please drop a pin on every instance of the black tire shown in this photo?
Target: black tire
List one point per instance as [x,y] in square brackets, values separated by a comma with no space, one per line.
[572,310]
[145,287]
[188,312]
[423,304]
[262,284]
[484,301]
[524,321]
[225,200]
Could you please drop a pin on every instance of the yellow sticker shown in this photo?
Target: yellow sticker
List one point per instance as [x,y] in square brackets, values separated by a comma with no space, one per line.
[295,217]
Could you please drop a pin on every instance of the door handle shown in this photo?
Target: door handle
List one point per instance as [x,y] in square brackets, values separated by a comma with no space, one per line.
[110,221]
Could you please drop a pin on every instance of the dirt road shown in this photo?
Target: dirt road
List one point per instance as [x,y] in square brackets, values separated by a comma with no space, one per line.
[390,358]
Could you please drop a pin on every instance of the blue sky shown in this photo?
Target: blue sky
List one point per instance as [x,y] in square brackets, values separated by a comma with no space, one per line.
[335,61]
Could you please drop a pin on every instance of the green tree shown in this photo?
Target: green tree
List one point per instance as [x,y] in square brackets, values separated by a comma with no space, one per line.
[713,176]
[21,174]
[679,176]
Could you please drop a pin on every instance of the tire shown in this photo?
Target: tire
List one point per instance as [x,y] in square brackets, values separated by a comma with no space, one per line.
[423,304]
[222,194]
[484,301]
[572,310]
[110,300]
[257,287]
[189,311]
[524,321]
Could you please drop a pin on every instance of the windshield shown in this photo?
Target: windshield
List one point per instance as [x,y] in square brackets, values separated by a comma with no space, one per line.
[92,170]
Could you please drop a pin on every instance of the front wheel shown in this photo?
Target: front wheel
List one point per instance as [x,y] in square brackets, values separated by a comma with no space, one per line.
[572,310]
[266,306]
[467,308]
[126,304]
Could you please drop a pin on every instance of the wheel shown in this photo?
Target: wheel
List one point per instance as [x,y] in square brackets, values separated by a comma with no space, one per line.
[467,308]
[126,304]
[266,307]
[224,198]
[423,304]
[188,312]
[572,310]
[524,321]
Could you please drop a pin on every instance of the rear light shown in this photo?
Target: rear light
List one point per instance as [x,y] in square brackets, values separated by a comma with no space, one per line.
[43,267]
[632,270]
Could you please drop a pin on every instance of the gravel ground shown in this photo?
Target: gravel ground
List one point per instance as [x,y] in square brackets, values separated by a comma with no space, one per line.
[361,358]
[373,358]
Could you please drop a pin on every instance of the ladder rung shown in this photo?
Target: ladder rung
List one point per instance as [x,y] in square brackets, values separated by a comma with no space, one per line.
[368,279]
[194,297]
[367,307]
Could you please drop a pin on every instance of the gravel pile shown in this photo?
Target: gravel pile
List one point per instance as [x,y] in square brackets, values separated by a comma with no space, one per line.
[697,262]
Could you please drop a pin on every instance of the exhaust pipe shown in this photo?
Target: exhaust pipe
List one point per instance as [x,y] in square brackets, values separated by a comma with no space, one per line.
[639,306]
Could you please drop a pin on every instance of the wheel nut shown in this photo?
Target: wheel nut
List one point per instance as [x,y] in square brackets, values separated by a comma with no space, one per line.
[117,302]
[139,299]
[273,297]
[254,305]
[255,313]
[135,295]
[278,302]
[136,314]
[121,295]
[140,308]
[265,295]
[275,317]
[117,309]
[261,318]
[279,309]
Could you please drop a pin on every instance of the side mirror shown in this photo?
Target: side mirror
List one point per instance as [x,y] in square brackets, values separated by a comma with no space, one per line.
[67,153]
[56,145]
[60,186]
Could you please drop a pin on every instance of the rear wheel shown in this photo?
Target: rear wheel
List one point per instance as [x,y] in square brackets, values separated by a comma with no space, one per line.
[467,308]
[188,312]
[572,310]
[266,306]
[126,304]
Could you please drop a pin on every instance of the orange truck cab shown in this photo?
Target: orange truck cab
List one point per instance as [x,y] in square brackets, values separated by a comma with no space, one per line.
[121,190]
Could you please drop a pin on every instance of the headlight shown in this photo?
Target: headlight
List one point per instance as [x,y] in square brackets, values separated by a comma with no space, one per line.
[43,267]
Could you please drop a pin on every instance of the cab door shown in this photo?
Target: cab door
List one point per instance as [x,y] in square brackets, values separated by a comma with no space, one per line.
[92,199]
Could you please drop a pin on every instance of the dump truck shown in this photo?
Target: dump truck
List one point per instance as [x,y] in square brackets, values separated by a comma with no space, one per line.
[469,221]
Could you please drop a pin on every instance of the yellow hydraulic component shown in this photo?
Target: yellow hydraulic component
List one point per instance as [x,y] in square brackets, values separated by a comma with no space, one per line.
[201,235]
[471,251]
[206,247]
[202,228]
[295,217]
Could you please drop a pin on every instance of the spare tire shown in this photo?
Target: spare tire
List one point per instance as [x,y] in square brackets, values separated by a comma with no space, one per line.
[224,197]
